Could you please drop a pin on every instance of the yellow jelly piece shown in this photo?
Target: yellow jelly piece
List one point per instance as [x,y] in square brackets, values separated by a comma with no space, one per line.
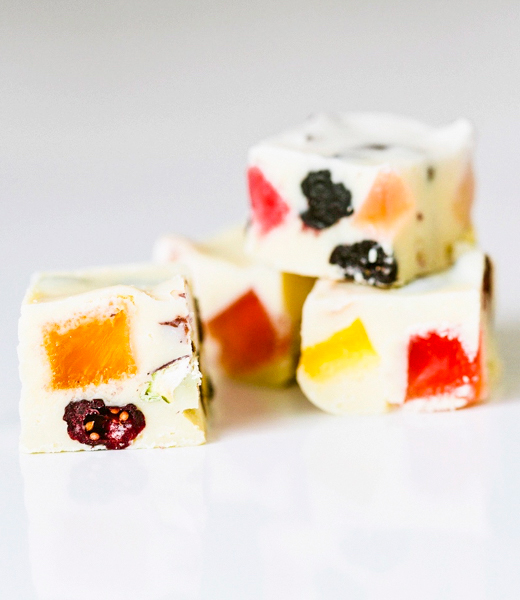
[295,289]
[195,416]
[347,349]
[90,350]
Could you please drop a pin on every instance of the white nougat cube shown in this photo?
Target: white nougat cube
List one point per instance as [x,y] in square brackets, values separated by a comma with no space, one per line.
[250,313]
[425,345]
[374,198]
[109,358]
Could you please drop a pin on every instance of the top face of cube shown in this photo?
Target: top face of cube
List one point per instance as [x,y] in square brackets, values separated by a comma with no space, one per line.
[224,253]
[374,139]
[57,285]
[221,271]
[373,198]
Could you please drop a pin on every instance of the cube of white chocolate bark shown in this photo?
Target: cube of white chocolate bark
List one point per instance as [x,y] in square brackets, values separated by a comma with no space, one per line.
[109,359]
[374,198]
[250,313]
[424,345]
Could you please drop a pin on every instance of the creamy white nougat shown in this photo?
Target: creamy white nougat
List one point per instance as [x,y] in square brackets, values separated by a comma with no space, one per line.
[114,351]
[375,198]
[250,313]
[424,345]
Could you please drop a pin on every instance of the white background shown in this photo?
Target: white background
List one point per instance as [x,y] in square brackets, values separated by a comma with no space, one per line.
[122,120]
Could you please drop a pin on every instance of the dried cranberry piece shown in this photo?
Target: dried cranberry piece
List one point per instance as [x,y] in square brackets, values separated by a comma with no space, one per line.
[93,423]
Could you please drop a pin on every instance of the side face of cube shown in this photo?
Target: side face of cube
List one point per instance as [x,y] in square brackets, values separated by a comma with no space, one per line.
[250,313]
[422,346]
[369,198]
[109,359]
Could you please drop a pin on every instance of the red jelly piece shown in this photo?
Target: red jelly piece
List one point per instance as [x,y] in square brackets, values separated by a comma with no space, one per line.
[269,209]
[437,364]
[246,335]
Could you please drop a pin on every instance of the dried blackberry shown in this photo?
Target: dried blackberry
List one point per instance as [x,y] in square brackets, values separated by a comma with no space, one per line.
[93,423]
[328,202]
[487,283]
[365,260]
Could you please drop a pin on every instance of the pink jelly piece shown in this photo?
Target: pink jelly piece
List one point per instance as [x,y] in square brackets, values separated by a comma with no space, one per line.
[437,365]
[269,209]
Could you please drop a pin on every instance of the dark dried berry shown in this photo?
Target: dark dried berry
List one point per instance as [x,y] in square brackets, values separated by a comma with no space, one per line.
[91,422]
[177,322]
[365,260]
[378,147]
[487,283]
[328,202]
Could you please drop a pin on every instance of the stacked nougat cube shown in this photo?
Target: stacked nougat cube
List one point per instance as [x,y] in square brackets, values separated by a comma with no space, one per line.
[250,313]
[378,208]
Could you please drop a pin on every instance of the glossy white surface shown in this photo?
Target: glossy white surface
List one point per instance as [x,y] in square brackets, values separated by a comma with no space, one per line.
[122,121]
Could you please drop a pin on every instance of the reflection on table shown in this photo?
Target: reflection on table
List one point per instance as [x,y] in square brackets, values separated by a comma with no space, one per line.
[116,525]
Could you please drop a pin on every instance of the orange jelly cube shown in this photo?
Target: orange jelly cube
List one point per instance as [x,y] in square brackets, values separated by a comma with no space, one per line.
[438,364]
[246,335]
[388,201]
[90,350]
[464,199]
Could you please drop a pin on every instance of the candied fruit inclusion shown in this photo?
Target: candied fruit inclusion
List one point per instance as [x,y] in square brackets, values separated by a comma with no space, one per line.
[388,201]
[328,202]
[93,423]
[349,348]
[438,365]
[366,261]
[269,208]
[246,335]
[90,350]
[295,288]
